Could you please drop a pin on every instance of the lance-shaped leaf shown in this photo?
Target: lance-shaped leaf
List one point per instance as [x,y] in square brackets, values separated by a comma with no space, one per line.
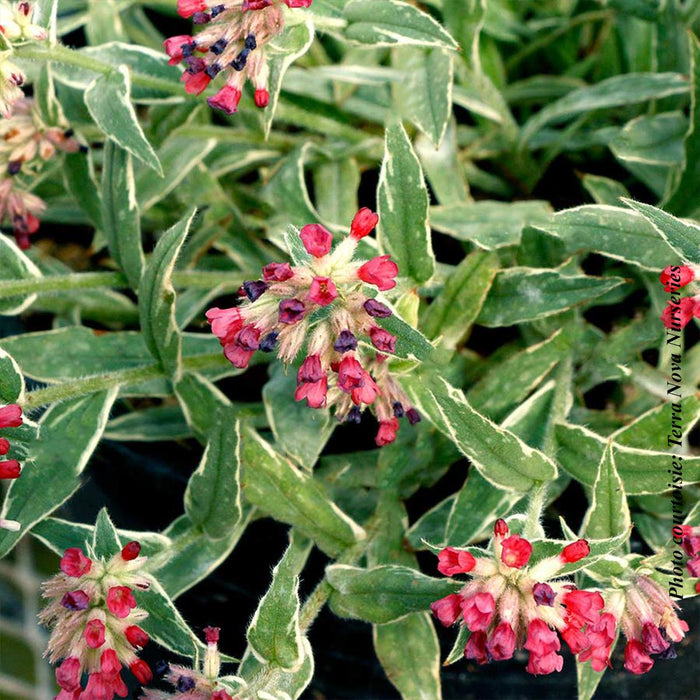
[68,435]
[212,498]
[279,489]
[120,218]
[501,457]
[682,236]
[609,514]
[105,538]
[157,299]
[15,266]
[274,633]
[109,103]
[402,203]
[384,593]
[201,402]
[11,379]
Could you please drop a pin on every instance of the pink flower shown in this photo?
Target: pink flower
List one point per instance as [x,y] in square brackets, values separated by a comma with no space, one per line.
[693,566]
[575,551]
[652,640]
[501,645]
[500,528]
[636,659]
[387,432]
[516,551]
[141,670]
[277,272]
[10,416]
[366,392]
[541,639]
[74,563]
[323,291]
[173,47]
[316,239]
[68,674]
[675,276]
[455,561]
[120,601]
[478,611]
[94,634]
[226,100]
[75,600]
[312,383]
[350,374]
[576,639]
[186,8]
[382,340]
[363,223]
[195,83]
[379,271]
[298,3]
[447,609]
[262,98]
[291,311]
[225,323]
[583,607]
[600,636]
[543,665]
[543,594]
[678,316]
[476,648]
[136,636]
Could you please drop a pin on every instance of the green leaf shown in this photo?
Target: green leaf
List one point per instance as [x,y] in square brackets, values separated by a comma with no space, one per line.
[157,299]
[384,593]
[68,435]
[335,187]
[80,182]
[105,538]
[389,22]
[104,22]
[683,237]
[15,266]
[442,168]
[279,489]
[300,431]
[274,633]
[120,217]
[108,101]
[609,514]
[618,91]
[402,203]
[454,310]
[212,498]
[612,231]
[425,97]
[641,471]
[281,52]
[410,344]
[155,424]
[651,140]
[409,652]
[501,457]
[521,294]
[201,401]
[489,225]
[683,201]
[11,379]
[604,190]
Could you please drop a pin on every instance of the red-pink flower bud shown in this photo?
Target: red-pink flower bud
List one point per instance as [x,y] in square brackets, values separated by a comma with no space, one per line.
[575,551]
[678,316]
[543,594]
[382,340]
[195,83]
[68,674]
[502,643]
[316,239]
[323,291]
[75,600]
[186,8]
[120,601]
[291,311]
[363,223]
[262,98]
[10,416]
[379,271]
[94,634]
[447,609]
[387,432]
[476,648]
[478,611]
[142,671]
[4,446]
[131,551]
[211,635]
[75,563]
[174,47]
[277,272]
[226,100]
[516,551]
[675,276]
[636,659]
[136,636]
[220,695]
[500,528]
[109,662]
[453,561]
[10,469]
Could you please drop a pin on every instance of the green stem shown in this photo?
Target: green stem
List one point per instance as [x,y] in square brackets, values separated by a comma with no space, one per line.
[62,54]
[535,508]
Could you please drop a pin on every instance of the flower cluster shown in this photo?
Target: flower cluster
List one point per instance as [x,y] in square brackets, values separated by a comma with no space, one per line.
[193,684]
[680,310]
[511,604]
[232,42]
[94,620]
[10,417]
[322,304]
[16,26]
[26,140]
[689,538]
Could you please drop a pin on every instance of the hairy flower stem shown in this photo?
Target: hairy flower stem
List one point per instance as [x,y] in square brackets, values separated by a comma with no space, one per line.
[535,508]
[90,385]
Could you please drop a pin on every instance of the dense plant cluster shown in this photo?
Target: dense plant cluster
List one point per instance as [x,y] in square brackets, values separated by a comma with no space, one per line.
[230,227]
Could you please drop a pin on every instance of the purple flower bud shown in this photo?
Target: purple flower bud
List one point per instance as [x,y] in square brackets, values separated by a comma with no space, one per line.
[185,684]
[248,338]
[291,311]
[75,600]
[413,416]
[377,309]
[669,653]
[187,49]
[217,10]
[398,409]
[161,667]
[201,17]
[354,415]
[543,594]
[345,342]
[250,42]
[218,47]
[213,70]
[267,344]
[254,289]
[13,167]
